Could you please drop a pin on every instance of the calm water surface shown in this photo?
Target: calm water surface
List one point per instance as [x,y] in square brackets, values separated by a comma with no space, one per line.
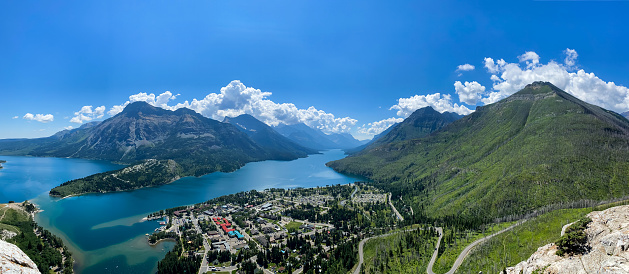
[105,231]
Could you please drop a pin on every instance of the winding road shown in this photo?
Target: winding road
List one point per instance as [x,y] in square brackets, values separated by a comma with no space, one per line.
[433,259]
[362,244]
[466,251]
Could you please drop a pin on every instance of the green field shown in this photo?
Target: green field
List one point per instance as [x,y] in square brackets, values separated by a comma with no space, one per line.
[293,225]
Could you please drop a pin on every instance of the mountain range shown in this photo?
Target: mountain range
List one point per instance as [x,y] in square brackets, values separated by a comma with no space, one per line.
[540,146]
[267,137]
[316,139]
[194,145]
[141,131]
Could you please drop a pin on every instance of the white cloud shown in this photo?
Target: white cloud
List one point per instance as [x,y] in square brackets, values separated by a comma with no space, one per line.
[571,58]
[15,117]
[236,99]
[469,92]
[441,103]
[494,67]
[86,114]
[583,85]
[68,128]
[157,101]
[464,67]
[378,127]
[531,58]
[39,117]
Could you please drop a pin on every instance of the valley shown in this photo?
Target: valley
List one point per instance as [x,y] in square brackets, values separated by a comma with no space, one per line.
[436,193]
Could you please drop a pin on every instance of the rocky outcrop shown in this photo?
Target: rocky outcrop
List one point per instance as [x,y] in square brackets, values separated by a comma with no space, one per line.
[608,239]
[13,260]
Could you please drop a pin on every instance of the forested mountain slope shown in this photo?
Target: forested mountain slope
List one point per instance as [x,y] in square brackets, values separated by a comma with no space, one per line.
[537,147]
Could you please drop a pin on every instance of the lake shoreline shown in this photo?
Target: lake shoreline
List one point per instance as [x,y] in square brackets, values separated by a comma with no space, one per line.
[74,220]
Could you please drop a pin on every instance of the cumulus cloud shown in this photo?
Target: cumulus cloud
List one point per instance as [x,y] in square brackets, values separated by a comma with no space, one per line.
[378,127]
[494,67]
[469,92]
[68,128]
[571,58]
[583,85]
[161,101]
[39,117]
[15,117]
[236,99]
[86,114]
[441,103]
[531,59]
[464,67]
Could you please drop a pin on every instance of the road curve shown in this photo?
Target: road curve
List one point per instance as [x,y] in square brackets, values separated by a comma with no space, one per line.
[434,254]
[466,251]
[362,244]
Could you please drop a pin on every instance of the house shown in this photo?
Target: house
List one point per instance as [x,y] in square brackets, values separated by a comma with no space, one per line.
[262,240]
[266,207]
[268,229]
[241,246]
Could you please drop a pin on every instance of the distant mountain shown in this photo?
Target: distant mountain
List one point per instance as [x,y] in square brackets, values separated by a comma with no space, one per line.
[625,114]
[345,140]
[419,124]
[267,137]
[538,147]
[315,138]
[306,136]
[197,144]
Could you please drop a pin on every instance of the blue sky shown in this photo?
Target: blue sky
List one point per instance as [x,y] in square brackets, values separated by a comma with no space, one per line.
[352,61]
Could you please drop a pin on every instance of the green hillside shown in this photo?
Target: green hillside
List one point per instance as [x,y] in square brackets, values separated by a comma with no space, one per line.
[148,173]
[537,147]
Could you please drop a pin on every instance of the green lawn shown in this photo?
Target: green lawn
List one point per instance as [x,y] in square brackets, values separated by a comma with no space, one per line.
[293,225]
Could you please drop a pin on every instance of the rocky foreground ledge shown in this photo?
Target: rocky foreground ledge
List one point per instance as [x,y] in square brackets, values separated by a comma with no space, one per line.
[608,238]
[13,260]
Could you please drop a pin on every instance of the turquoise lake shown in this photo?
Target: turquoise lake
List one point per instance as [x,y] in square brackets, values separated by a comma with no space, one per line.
[105,231]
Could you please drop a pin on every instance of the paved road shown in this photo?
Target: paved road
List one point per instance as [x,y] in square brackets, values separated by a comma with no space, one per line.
[206,245]
[355,190]
[433,259]
[395,210]
[466,251]
[436,252]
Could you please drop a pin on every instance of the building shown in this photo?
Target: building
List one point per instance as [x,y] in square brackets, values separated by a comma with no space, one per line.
[262,240]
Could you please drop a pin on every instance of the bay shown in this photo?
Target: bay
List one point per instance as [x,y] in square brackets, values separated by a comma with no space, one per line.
[105,231]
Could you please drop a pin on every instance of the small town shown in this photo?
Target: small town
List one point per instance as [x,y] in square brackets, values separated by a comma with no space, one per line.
[276,230]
